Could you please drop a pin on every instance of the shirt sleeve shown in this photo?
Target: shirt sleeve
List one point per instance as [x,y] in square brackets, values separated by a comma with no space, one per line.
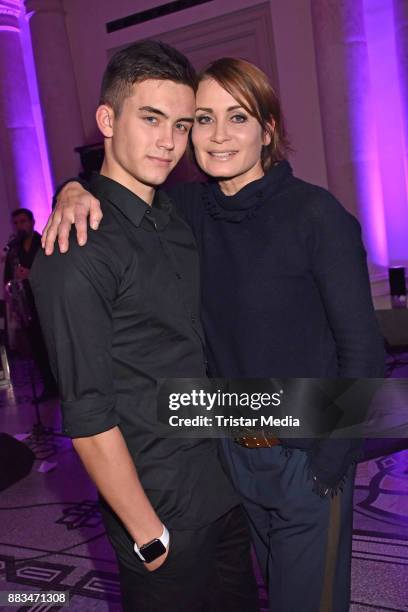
[74,295]
[340,271]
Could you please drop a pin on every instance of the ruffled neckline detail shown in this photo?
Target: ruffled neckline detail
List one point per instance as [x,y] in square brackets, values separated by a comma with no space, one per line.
[246,203]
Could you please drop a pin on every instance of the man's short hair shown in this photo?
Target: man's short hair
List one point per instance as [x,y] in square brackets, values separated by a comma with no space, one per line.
[150,59]
[23,211]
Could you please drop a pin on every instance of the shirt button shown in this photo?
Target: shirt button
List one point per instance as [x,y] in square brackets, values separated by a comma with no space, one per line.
[148,211]
[179,275]
[193,318]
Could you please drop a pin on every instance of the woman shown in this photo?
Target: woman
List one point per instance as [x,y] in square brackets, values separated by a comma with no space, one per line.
[285,293]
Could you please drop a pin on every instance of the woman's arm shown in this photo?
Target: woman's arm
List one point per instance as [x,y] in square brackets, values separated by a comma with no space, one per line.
[73,204]
[339,267]
[340,270]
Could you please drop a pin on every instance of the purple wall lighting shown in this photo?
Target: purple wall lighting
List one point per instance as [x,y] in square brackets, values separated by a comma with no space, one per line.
[42,208]
[383,182]
[23,148]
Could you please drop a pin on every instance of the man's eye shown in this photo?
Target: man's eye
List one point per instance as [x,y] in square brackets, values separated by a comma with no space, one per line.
[203,119]
[181,127]
[239,118]
[151,120]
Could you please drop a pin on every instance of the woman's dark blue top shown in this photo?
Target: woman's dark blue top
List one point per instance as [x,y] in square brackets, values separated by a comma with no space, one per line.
[285,292]
[285,288]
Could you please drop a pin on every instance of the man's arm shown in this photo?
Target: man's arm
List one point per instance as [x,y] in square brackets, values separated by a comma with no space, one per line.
[108,462]
[74,295]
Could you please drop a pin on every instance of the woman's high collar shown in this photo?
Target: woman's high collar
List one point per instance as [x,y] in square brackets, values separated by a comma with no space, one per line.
[247,201]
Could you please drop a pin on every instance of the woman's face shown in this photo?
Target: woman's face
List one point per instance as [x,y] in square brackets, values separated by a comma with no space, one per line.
[227,139]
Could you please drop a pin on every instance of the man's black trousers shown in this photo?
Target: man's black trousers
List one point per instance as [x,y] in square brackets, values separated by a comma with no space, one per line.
[206,570]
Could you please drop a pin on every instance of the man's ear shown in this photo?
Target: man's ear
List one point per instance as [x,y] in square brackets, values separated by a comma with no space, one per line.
[268,132]
[105,118]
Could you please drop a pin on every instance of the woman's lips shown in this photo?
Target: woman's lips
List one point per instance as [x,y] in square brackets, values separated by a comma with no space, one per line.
[222,155]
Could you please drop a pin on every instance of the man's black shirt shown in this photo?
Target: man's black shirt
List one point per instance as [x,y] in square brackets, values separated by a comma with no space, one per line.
[118,314]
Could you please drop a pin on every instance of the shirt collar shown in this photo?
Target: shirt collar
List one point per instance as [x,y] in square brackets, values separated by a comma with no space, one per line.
[133,207]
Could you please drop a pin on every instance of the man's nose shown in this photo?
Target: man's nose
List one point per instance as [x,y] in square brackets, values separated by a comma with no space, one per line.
[166,138]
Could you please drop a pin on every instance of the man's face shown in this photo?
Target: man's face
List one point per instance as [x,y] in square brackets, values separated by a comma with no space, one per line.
[150,134]
[24,227]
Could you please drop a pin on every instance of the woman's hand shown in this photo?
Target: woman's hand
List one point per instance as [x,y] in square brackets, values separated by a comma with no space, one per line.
[73,206]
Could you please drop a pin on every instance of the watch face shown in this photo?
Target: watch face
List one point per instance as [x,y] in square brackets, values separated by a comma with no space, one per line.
[152,550]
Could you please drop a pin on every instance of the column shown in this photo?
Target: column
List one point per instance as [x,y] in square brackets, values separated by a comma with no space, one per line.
[349,136]
[5,228]
[19,147]
[401,35]
[56,85]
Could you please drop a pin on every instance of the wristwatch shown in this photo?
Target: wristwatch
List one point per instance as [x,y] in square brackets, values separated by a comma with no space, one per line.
[153,549]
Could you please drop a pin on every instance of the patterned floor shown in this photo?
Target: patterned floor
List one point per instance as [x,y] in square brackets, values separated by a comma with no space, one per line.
[51,535]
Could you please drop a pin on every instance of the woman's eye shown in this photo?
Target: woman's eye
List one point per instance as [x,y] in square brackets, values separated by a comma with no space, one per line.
[203,119]
[239,118]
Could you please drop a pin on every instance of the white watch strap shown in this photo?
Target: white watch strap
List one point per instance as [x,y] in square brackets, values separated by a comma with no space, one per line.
[164,539]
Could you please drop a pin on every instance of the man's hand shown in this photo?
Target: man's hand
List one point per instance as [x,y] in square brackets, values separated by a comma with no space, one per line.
[74,204]
[154,565]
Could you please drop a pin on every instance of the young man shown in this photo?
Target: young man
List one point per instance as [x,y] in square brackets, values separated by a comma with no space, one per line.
[122,312]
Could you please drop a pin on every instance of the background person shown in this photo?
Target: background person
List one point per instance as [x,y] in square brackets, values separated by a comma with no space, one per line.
[23,327]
